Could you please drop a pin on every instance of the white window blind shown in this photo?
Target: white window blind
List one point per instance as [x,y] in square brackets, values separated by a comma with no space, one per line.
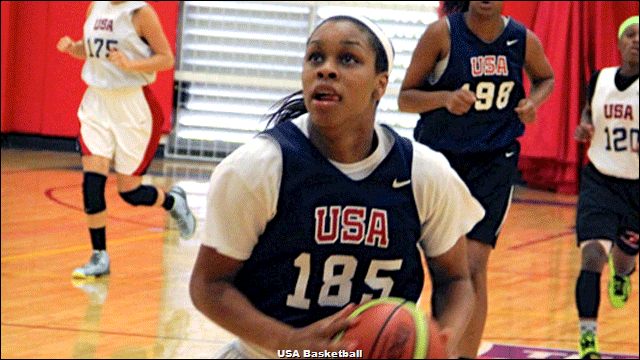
[237,59]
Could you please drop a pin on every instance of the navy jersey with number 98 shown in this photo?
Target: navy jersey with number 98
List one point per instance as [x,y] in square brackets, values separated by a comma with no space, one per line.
[493,71]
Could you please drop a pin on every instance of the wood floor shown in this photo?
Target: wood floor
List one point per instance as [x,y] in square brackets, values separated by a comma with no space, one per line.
[143,310]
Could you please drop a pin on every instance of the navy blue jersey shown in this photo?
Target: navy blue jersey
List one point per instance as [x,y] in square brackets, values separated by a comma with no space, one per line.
[494,72]
[334,240]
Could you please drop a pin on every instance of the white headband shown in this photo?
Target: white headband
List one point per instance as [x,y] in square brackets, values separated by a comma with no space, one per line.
[384,40]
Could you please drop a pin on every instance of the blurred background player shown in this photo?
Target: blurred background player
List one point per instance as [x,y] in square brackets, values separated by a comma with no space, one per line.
[123,47]
[328,208]
[608,200]
[465,79]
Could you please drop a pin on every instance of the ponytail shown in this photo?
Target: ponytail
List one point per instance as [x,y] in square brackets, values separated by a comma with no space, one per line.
[289,108]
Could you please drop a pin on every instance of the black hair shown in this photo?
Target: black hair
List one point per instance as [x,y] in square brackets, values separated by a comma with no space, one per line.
[452,7]
[292,106]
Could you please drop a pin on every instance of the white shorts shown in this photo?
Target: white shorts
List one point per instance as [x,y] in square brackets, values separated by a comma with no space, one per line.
[121,124]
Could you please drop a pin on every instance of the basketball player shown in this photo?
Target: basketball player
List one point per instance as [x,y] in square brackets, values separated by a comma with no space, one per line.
[465,81]
[123,48]
[609,199]
[327,209]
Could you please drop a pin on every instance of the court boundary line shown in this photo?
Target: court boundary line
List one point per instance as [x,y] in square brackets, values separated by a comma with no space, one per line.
[490,343]
[571,231]
[48,193]
[106,332]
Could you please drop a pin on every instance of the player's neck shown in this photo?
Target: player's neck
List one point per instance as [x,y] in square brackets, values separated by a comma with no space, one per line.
[344,147]
[629,69]
[486,28]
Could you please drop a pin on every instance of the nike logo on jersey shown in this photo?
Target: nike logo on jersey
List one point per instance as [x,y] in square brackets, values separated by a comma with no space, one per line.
[398,184]
[509,154]
[511,42]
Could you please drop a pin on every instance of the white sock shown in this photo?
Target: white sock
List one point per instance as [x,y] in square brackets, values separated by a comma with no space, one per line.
[588,325]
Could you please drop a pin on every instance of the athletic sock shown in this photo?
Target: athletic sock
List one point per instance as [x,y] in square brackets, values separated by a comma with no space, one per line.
[98,238]
[588,325]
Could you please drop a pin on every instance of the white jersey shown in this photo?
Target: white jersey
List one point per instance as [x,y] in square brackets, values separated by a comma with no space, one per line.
[615,119]
[244,189]
[110,27]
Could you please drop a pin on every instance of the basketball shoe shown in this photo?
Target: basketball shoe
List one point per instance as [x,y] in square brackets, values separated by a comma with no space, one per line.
[619,287]
[182,213]
[98,266]
[588,346]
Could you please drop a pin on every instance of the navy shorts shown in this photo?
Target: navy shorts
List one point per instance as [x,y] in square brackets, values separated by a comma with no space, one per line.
[490,177]
[607,206]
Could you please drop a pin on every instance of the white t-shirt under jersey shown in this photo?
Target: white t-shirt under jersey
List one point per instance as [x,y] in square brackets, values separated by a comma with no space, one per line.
[615,119]
[108,27]
[244,189]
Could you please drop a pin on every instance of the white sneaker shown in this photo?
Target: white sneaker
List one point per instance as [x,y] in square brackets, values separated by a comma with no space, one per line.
[98,266]
[182,213]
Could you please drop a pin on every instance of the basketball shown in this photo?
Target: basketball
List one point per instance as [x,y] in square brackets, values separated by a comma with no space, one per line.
[394,328]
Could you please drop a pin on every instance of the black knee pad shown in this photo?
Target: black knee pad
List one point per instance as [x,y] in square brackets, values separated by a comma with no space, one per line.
[142,195]
[588,294]
[93,192]
[629,243]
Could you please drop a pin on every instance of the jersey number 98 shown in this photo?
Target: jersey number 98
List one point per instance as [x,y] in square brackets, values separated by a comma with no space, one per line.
[486,93]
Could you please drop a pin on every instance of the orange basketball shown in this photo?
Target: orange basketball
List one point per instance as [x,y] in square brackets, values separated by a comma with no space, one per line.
[394,328]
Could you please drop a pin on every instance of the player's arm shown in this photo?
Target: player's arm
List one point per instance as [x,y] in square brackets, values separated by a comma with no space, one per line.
[74,48]
[149,27]
[541,76]
[214,294]
[452,297]
[584,130]
[431,47]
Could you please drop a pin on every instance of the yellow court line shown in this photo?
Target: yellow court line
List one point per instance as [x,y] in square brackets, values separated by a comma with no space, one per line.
[38,254]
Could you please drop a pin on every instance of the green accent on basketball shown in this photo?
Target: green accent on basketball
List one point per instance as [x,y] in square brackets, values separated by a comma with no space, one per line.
[422,330]
[362,308]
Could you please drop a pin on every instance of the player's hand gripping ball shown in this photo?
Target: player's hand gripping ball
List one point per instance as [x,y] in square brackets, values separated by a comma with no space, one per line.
[394,328]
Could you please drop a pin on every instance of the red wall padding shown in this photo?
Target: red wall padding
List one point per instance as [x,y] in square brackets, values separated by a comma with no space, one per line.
[579,37]
[41,87]
[5,43]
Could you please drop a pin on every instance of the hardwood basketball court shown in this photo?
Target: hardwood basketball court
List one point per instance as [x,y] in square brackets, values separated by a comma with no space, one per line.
[143,309]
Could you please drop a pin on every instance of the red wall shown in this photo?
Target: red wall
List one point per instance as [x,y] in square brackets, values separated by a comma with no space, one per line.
[41,87]
[579,37]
